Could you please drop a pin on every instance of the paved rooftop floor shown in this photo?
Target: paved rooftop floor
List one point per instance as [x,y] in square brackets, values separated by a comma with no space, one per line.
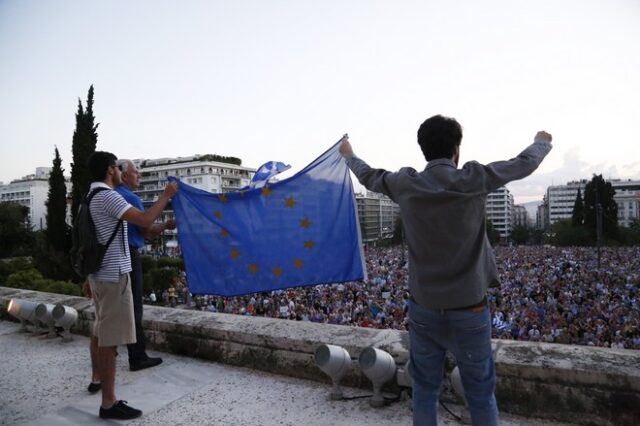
[43,382]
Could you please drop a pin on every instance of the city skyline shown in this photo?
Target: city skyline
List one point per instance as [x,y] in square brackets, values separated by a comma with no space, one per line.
[284,80]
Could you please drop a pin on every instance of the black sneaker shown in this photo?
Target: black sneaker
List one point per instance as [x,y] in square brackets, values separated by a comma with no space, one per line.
[120,411]
[94,387]
[145,363]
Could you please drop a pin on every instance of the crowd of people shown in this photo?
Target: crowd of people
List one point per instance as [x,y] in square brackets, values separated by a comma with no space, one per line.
[547,294]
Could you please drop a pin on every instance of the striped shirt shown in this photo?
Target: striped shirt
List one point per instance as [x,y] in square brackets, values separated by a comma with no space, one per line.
[107,208]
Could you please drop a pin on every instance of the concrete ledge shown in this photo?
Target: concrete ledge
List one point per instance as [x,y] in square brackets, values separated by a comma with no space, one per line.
[567,383]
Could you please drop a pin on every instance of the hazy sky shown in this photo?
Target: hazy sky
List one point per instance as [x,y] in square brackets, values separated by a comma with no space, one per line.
[283,80]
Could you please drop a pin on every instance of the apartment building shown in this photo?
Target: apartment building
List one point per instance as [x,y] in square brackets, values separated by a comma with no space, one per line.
[499,209]
[30,191]
[201,172]
[377,215]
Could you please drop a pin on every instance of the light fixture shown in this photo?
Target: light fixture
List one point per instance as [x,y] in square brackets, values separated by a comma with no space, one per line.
[44,314]
[65,317]
[404,378]
[335,362]
[24,310]
[380,367]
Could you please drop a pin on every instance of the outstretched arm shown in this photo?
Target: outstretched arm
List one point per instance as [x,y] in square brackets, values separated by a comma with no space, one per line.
[500,173]
[372,179]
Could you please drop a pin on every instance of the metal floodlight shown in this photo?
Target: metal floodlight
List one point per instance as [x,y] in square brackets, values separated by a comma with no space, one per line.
[44,313]
[404,377]
[24,310]
[65,317]
[335,362]
[379,367]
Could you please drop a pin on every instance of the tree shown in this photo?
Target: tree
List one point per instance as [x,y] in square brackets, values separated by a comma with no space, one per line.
[57,233]
[565,234]
[84,143]
[15,232]
[577,216]
[520,234]
[597,190]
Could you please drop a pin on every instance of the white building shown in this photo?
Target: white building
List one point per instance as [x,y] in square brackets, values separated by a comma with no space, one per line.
[561,199]
[377,214]
[499,209]
[30,191]
[628,199]
[198,171]
[520,216]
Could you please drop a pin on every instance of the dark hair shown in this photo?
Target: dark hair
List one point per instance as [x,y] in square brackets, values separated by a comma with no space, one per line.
[99,163]
[439,136]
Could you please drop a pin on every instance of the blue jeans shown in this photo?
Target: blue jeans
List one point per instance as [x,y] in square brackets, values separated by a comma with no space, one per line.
[467,335]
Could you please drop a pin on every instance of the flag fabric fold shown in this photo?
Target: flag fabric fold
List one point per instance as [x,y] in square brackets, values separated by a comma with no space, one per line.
[300,231]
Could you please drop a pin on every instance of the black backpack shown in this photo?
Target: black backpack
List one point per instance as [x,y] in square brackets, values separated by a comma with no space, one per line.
[86,252]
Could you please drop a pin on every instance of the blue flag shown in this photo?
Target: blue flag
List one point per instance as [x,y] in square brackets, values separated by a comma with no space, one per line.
[300,231]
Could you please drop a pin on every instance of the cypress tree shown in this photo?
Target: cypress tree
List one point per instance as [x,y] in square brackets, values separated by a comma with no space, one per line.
[57,207]
[605,193]
[577,217]
[84,143]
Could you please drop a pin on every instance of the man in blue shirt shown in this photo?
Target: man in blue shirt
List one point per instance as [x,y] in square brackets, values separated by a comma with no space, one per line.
[138,358]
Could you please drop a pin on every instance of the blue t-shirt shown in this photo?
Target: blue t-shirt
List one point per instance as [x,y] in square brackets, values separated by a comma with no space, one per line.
[135,237]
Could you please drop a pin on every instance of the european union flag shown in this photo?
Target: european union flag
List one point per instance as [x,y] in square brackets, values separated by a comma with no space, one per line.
[300,231]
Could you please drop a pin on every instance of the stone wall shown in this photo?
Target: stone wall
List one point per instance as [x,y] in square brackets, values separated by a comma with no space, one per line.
[576,384]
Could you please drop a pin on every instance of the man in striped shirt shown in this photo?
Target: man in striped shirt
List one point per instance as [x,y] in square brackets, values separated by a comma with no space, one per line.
[110,286]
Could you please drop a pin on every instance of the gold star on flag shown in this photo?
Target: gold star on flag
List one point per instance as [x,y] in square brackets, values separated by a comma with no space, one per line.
[308,244]
[253,268]
[234,254]
[277,271]
[305,223]
[289,202]
[222,198]
[217,214]
[297,263]
[224,233]
[266,191]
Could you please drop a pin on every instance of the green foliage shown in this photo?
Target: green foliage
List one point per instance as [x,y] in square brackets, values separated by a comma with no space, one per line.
[16,236]
[9,266]
[159,279]
[31,279]
[148,263]
[599,190]
[577,216]
[62,287]
[536,236]
[520,234]
[57,233]
[564,234]
[221,159]
[85,139]
[631,236]
[50,261]
[171,262]
[24,279]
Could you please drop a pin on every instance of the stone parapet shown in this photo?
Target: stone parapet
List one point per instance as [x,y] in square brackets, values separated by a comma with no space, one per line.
[568,383]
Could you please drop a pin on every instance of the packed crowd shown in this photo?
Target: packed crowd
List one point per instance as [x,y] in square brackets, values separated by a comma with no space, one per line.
[546,294]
